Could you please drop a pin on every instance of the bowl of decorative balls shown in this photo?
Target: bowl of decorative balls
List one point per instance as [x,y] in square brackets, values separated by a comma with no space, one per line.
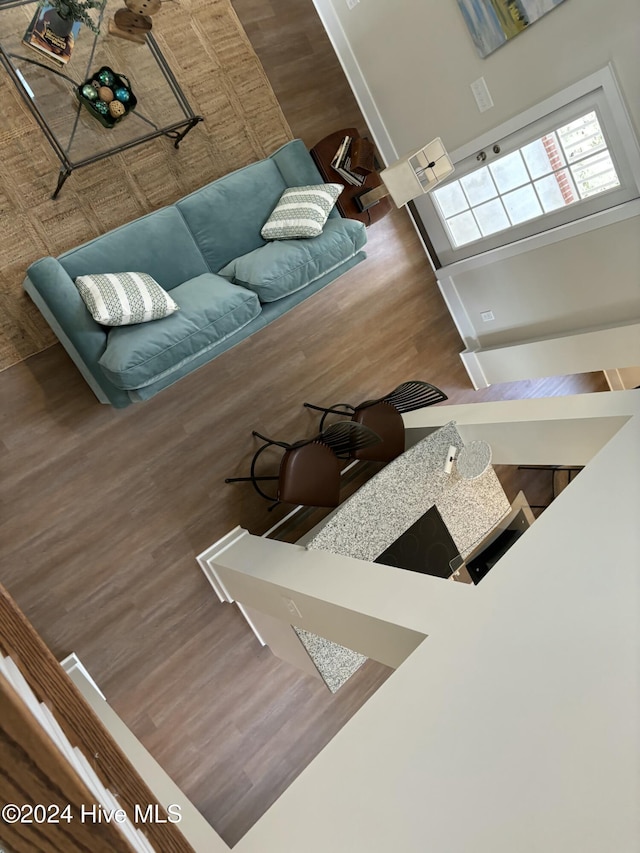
[107,96]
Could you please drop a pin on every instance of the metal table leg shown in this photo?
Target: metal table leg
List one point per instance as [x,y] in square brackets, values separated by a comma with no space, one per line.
[62,177]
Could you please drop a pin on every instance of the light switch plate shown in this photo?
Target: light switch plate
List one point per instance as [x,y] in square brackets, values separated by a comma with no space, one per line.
[352,3]
[481,94]
[487,316]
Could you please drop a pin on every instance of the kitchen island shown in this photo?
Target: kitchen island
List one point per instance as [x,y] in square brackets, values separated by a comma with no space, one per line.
[385,507]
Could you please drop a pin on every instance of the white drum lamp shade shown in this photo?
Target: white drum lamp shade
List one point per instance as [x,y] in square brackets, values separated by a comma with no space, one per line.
[417,173]
[411,176]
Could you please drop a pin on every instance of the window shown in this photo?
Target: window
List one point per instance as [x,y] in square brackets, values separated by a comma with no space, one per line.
[568,163]
[564,167]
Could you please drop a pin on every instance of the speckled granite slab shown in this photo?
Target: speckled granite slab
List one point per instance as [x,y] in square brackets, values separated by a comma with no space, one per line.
[381,510]
[335,663]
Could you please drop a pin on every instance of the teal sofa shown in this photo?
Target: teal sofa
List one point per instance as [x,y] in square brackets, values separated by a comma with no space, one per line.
[206,250]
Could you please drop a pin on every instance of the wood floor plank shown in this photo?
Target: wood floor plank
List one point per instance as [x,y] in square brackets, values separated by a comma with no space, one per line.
[102,512]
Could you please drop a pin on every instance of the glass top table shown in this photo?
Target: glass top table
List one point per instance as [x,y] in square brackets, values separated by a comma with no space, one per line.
[49,90]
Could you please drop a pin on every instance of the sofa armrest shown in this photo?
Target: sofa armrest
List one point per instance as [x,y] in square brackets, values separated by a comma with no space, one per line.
[58,300]
[296,164]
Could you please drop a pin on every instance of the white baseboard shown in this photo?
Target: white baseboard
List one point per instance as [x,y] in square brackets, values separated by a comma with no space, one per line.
[206,561]
[474,369]
[356,80]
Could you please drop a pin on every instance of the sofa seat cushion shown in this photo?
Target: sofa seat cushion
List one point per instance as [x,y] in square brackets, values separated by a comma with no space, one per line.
[211,310]
[285,266]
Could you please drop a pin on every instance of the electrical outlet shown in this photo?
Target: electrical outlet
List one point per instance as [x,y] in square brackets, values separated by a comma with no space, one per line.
[292,607]
[487,316]
[352,3]
[481,94]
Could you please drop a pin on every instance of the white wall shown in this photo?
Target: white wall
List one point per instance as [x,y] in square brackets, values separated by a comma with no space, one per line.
[627,377]
[579,352]
[599,286]
[418,60]
[515,727]
[411,63]
[345,600]
[566,430]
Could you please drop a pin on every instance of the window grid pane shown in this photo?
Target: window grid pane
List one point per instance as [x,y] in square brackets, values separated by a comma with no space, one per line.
[491,217]
[518,192]
[463,228]
[450,199]
[522,204]
[582,137]
[543,156]
[556,190]
[509,172]
[479,186]
[596,176]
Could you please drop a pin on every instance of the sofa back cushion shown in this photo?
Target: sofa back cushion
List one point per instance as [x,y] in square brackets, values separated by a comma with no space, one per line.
[225,217]
[159,244]
[211,310]
[283,267]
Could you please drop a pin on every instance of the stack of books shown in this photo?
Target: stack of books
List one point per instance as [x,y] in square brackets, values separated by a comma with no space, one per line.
[41,37]
[342,164]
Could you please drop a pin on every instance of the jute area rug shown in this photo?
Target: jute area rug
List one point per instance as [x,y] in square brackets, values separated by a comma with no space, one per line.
[212,59]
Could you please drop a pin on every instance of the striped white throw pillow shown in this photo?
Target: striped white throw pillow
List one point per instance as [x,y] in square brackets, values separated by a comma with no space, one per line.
[301,212]
[124,298]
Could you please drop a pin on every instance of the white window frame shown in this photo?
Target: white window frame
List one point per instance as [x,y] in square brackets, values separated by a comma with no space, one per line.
[603,79]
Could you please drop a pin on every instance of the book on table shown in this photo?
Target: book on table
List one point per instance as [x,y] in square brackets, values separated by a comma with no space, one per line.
[362,156]
[342,164]
[341,151]
[41,37]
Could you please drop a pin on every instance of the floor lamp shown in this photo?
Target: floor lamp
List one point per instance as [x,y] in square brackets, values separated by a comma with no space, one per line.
[410,176]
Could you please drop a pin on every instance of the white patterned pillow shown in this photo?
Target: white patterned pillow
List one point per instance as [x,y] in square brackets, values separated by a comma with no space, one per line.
[124,298]
[301,212]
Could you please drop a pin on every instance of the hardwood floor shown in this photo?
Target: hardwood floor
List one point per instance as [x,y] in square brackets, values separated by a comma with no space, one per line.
[104,511]
[296,53]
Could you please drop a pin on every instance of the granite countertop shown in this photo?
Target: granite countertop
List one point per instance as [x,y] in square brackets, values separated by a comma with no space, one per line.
[381,510]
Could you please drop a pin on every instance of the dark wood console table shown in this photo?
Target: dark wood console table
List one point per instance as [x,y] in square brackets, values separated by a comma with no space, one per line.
[323,153]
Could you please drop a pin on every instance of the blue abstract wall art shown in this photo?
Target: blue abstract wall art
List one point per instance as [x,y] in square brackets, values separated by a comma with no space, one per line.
[493,22]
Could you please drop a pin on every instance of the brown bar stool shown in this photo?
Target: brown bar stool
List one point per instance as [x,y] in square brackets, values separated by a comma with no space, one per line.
[309,473]
[384,416]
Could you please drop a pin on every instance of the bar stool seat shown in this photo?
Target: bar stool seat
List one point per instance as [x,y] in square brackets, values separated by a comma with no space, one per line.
[384,416]
[310,475]
[310,469]
[385,420]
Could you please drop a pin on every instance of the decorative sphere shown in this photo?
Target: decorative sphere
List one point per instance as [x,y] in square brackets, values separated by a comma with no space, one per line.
[116,109]
[105,94]
[101,107]
[121,94]
[89,92]
[106,77]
